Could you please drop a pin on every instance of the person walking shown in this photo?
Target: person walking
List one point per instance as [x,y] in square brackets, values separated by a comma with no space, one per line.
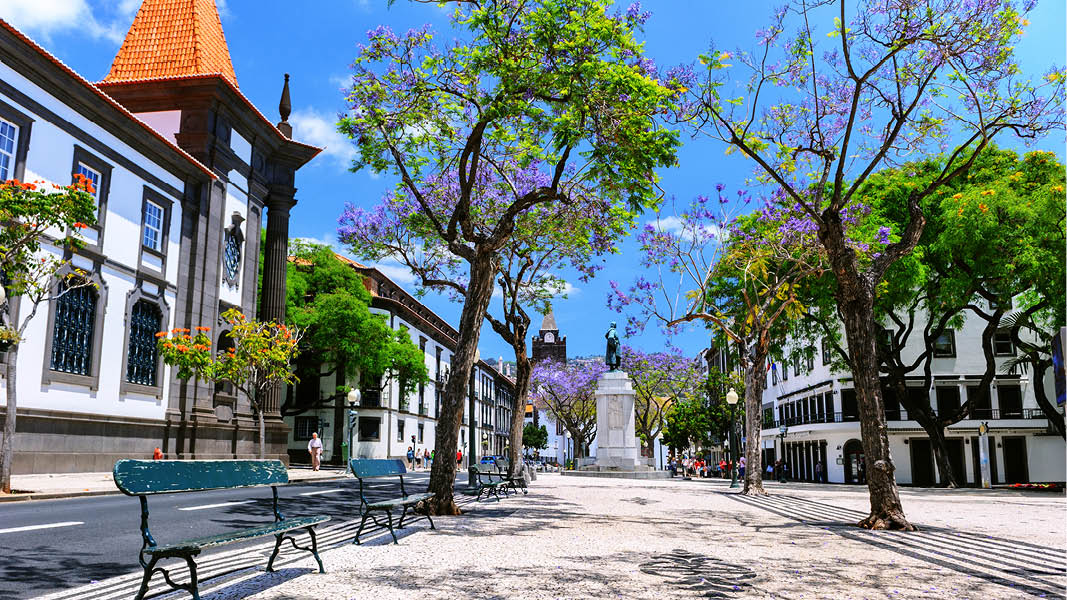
[785,471]
[459,457]
[315,450]
[411,458]
[741,468]
[770,471]
[818,471]
[426,458]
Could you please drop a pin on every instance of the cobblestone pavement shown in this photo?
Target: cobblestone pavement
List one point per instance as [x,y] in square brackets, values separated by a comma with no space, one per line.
[602,538]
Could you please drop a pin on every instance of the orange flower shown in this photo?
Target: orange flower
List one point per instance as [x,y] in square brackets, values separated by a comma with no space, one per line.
[161,334]
[989,192]
[982,207]
[183,348]
[80,225]
[203,329]
[957,196]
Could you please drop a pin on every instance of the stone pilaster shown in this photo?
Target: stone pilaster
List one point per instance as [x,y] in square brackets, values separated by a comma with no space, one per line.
[275,260]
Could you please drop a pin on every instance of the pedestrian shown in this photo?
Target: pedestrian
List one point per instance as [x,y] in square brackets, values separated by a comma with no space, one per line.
[722,468]
[459,457]
[426,458]
[863,472]
[741,468]
[432,454]
[785,471]
[818,471]
[157,454]
[770,471]
[315,450]
[672,464]
[411,458]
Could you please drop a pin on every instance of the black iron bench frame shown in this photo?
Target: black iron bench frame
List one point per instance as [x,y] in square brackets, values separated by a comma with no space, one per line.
[379,468]
[189,549]
[488,486]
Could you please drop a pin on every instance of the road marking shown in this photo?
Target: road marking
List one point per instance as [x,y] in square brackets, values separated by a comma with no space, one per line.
[45,526]
[219,505]
[317,492]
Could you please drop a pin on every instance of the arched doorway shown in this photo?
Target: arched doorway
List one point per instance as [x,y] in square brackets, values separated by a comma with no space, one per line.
[854,465]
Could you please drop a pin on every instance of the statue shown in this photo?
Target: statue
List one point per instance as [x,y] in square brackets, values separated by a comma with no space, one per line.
[613,357]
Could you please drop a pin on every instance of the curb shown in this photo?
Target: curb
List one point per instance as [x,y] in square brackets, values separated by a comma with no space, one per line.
[83,494]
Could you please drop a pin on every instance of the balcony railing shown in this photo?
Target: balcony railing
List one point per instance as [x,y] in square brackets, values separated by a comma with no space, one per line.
[981,414]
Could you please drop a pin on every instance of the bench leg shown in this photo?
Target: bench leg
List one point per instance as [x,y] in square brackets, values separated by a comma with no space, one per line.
[400,523]
[389,516]
[147,577]
[430,520]
[273,555]
[361,524]
[315,548]
[194,587]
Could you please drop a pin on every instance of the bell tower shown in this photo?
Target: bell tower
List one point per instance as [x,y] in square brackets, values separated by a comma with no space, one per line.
[548,343]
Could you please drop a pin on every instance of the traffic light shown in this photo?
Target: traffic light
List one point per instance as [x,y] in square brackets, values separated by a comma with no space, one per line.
[413,439]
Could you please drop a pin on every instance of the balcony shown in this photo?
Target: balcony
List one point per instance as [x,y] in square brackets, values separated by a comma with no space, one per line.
[982,414]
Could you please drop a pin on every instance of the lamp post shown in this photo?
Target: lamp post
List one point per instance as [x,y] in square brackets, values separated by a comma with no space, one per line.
[566,448]
[731,399]
[353,401]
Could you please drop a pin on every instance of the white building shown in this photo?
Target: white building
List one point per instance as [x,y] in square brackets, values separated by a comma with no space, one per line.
[165,144]
[386,423]
[818,409]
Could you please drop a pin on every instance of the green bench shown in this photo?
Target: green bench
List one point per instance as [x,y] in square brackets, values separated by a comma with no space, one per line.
[514,482]
[484,483]
[368,468]
[143,478]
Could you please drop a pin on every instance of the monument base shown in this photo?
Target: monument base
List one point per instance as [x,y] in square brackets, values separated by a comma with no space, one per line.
[616,443]
[613,474]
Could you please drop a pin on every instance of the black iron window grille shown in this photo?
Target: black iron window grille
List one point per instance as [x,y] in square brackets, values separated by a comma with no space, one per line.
[233,256]
[143,358]
[72,334]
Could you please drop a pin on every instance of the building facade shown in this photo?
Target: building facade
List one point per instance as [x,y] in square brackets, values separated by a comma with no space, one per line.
[810,415]
[185,172]
[386,423]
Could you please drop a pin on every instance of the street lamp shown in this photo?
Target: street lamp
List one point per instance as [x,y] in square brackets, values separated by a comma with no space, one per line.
[566,448]
[353,401]
[731,399]
[472,439]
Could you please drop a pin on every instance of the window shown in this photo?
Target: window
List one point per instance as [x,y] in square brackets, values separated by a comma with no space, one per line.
[945,345]
[810,359]
[559,427]
[774,374]
[1002,344]
[399,430]
[369,429]
[72,331]
[422,430]
[825,352]
[9,136]
[92,175]
[153,226]
[785,370]
[304,427]
[1010,398]
[948,399]
[884,340]
[232,259]
[142,361]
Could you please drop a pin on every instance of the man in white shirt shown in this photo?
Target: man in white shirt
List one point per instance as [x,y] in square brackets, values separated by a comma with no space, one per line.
[315,450]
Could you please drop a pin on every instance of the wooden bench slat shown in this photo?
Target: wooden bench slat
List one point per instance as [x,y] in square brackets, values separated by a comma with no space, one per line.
[196,544]
[377,467]
[404,501]
[145,477]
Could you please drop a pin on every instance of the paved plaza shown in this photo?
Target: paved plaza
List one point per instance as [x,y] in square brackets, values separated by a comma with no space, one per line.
[609,538]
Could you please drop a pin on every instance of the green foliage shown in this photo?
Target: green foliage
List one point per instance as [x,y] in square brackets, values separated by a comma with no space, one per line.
[535,437]
[688,424]
[326,298]
[259,359]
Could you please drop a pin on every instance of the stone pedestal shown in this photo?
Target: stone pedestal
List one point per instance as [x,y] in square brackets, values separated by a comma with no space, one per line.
[616,442]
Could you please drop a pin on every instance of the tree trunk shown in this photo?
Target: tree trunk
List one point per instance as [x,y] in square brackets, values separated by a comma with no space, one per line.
[7,451]
[857,311]
[523,371]
[443,473]
[1054,416]
[262,436]
[922,414]
[755,381]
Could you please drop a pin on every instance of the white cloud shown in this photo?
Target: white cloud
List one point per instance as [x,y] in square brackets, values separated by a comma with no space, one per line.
[341,81]
[312,127]
[685,231]
[48,17]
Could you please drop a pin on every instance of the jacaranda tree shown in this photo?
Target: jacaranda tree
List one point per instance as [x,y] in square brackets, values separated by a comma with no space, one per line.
[739,275]
[660,378]
[568,392]
[534,104]
[834,91]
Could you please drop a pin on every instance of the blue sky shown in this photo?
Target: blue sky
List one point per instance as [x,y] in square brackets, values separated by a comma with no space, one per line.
[315,40]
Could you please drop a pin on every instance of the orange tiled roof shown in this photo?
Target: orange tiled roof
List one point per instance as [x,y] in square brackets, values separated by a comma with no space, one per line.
[171,38]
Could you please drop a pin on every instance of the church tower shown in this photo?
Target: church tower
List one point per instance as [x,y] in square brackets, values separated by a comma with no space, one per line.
[174,72]
[548,344]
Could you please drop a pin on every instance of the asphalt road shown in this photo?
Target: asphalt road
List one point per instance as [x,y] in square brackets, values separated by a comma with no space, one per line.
[51,545]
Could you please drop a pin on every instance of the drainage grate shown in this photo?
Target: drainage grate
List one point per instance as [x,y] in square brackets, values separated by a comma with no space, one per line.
[713,577]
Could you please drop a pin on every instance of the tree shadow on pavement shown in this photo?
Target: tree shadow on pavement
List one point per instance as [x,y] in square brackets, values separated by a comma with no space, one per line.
[1018,565]
[22,571]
